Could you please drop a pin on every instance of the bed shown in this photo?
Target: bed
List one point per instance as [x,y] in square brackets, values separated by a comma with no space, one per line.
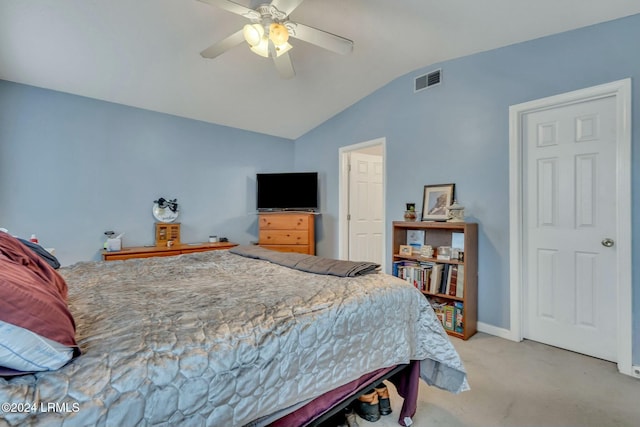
[220,339]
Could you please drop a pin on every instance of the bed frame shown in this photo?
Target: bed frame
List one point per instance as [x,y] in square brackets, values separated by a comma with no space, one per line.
[350,399]
[323,410]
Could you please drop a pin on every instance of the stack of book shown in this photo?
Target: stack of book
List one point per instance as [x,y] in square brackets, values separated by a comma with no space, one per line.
[415,272]
[450,315]
[431,277]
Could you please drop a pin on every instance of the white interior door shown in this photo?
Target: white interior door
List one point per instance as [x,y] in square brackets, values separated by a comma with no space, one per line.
[365,218]
[569,233]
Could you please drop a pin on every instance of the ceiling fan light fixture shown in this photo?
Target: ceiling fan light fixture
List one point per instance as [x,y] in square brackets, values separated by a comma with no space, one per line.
[278,34]
[262,48]
[268,33]
[283,48]
[253,34]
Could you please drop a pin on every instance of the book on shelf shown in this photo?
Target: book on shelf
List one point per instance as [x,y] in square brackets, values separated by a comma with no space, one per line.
[395,267]
[449,317]
[453,280]
[458,322]
[436,278]
[447,286]
[460,282]
[442,289]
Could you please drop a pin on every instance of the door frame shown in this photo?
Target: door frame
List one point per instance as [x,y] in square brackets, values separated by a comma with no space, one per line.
[621,90]
[343,195]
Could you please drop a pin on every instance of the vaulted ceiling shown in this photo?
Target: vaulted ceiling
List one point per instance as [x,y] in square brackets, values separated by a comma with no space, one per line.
[146,53]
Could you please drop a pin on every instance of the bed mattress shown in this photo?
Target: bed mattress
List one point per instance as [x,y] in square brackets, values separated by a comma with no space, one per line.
[217,339]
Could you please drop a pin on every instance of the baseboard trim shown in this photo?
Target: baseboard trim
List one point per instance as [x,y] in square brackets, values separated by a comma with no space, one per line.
[496,331]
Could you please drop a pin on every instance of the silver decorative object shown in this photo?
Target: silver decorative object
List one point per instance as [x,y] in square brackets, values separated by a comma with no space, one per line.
[455,212]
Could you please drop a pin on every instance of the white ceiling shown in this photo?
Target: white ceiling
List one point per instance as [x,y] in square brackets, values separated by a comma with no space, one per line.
[145,53]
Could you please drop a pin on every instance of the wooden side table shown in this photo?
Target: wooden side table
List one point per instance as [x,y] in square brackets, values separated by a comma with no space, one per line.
[153,251]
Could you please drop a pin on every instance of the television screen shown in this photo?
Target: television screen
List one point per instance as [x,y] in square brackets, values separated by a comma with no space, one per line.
[287,191]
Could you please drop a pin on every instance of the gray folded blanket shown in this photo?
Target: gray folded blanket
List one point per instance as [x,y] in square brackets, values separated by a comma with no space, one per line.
[308,263]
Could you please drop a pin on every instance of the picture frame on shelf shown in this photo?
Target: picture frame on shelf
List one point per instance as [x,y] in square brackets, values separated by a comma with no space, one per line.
[457,241]
[406,250]
[436,200]
[415,238]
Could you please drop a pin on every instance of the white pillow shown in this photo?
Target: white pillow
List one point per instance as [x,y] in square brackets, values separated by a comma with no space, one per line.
[23,350]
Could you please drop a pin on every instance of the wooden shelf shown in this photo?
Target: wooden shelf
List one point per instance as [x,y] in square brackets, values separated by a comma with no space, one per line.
[451,297]
[420,258]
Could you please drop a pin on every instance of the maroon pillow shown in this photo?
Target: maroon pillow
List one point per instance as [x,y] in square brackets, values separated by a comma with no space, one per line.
[34,295]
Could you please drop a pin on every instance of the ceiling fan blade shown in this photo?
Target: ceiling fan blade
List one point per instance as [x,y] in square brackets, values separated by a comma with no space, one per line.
[233,7]
[286,6]
[284,65]
[222,46]
[320,38]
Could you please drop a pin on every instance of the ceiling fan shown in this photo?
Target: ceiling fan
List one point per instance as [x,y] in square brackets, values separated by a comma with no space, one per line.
[269,32]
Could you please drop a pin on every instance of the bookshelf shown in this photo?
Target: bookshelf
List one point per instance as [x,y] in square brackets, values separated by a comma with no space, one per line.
[443,291]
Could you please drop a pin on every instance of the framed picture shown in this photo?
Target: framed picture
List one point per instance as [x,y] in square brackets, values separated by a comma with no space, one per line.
[405,250]
[415,238]
[437,198]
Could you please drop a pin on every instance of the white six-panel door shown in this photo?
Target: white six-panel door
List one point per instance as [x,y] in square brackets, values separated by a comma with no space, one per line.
[365,208]
[569,233]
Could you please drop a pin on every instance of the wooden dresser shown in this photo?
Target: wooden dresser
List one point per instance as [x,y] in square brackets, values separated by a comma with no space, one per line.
[287,232]
[152,251]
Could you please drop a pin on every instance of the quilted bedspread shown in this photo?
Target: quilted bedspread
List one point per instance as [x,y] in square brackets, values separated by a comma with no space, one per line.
[216,339]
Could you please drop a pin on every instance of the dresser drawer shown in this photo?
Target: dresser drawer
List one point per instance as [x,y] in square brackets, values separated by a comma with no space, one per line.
[283,237]
[284,222]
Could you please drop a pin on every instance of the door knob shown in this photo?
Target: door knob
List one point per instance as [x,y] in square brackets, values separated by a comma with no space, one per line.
[607,242]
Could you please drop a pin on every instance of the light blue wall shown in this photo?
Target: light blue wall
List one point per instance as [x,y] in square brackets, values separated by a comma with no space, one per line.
[458,132]
[72,167]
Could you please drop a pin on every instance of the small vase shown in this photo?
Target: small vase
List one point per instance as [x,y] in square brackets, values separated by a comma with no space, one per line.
[410,215]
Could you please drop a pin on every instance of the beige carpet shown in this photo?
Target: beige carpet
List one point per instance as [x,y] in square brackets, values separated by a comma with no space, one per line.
[527,384]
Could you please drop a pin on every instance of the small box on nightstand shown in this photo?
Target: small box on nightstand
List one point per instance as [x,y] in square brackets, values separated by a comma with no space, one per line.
[167,232]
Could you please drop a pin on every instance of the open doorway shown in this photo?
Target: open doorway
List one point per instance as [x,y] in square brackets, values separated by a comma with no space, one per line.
[362,202]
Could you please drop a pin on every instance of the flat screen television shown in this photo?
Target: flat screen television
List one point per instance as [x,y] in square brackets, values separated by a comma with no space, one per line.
[287,191]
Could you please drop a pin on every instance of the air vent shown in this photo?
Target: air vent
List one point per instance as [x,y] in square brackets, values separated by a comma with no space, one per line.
[427,80]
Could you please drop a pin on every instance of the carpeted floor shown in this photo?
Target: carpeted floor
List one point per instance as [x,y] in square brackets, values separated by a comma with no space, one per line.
[527,384]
